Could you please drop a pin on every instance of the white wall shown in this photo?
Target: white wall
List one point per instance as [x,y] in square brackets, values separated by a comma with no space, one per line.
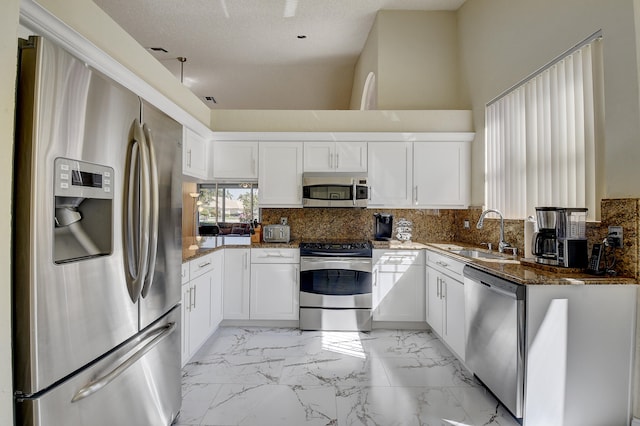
[414,55]
[502,41]
[8,52]
[367,62]
[417,60]
[247,120]
[84,17]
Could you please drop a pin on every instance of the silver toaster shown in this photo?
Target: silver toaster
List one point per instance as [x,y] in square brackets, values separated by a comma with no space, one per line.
[276,233]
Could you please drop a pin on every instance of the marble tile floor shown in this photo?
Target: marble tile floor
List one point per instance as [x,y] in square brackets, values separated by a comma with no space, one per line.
[287,377]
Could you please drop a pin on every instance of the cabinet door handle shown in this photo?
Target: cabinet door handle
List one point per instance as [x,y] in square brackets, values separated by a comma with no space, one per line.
[443,289]
[189,157]
[441,263]
[438,287]
[337,160]
[194,296]
[295,273]
[415,197]
[202,265]
[331,160]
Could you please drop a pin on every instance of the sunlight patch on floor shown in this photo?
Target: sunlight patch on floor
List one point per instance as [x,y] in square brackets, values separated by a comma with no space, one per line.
[341,342]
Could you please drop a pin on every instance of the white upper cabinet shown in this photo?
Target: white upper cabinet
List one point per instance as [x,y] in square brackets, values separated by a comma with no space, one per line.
[335,156]
[441,174]
[194,154]
[280,174]
[235,160]
[390,174]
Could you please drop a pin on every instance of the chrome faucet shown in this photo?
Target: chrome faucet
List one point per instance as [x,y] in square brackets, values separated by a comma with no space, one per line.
[502,244]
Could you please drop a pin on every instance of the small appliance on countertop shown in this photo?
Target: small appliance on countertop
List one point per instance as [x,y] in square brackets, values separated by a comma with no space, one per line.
[276,233]
[561,238]
[383,226]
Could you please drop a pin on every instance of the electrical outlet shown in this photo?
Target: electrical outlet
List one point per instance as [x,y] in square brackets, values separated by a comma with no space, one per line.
[283,221]
[614,239]
[466,224]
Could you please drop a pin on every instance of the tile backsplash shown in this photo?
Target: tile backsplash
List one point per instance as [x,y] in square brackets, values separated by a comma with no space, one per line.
[448,225]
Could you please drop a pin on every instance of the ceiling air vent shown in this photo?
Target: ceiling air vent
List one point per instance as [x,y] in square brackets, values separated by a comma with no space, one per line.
[210,99]
[158,49]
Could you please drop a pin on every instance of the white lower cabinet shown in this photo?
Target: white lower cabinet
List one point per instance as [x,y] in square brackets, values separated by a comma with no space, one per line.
[217,293]
[237,283]
[398,285]
[275,284]
[201,302]
[445,301]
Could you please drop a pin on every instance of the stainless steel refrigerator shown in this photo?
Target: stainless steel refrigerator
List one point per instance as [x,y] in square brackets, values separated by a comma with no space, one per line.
[97,251]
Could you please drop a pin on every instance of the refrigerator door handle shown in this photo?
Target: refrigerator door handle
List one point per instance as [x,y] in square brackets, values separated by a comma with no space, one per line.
[152,338]
[136,200]
[154,207]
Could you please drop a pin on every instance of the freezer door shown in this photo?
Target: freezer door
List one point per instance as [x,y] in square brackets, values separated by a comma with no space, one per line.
[162,289]
[139,384]
[66,314]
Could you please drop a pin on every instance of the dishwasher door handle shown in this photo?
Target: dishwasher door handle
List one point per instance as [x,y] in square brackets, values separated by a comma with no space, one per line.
[499,290]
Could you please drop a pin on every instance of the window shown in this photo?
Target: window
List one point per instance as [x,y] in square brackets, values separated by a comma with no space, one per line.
[541,136]
[228,203]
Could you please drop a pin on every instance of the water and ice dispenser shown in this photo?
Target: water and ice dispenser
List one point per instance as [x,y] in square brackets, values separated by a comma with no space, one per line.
[83,210]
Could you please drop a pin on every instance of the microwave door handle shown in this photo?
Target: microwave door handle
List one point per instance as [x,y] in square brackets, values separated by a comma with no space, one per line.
[154,211]
[355,188]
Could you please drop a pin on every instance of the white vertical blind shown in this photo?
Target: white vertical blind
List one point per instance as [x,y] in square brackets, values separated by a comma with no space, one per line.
[540,138]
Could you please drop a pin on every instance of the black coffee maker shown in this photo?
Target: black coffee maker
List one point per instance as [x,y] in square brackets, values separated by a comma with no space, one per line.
[383,228]
[561,239]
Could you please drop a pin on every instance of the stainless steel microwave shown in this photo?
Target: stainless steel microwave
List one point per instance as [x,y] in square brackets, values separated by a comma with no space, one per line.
[334,190]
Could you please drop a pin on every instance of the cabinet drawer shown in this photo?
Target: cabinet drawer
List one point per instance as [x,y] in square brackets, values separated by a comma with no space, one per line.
[200,265]
[271,255]
[391,260]
[185,272]
[445,264]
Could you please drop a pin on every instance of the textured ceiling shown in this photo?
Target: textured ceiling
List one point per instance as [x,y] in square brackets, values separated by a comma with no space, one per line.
[247,54]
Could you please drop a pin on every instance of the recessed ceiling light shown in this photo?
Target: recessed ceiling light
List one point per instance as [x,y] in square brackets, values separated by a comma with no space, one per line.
[301,36]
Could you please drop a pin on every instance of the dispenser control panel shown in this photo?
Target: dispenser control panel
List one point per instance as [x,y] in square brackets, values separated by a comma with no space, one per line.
[75,178]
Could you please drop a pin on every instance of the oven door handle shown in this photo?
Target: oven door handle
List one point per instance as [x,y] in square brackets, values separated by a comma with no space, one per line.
[326,255]
[333,264]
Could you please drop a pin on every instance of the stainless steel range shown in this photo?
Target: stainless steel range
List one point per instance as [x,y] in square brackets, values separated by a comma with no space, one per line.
[335,286]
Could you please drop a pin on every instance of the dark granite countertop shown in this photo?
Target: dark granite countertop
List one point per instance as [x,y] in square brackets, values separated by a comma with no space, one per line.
[194,247]
[518,270]
[526,271]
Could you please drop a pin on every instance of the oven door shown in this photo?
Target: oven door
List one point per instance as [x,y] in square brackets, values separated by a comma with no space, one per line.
[335,282]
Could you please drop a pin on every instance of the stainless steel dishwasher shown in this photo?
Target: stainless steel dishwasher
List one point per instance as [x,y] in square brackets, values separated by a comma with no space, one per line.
[495,326]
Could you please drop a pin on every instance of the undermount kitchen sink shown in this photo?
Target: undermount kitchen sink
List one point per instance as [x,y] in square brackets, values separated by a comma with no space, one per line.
[484,255]
[477,254]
